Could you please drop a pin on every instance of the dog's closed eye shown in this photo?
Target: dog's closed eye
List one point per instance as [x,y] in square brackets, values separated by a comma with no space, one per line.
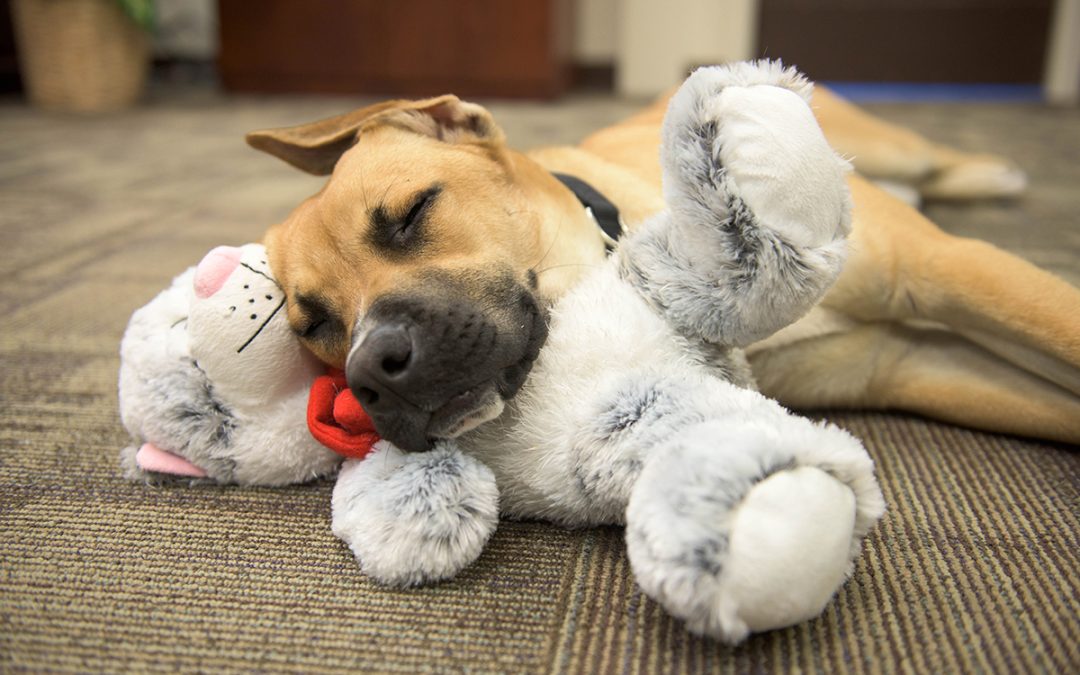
[403,232]
[419,208]
[318,321]
[312,328]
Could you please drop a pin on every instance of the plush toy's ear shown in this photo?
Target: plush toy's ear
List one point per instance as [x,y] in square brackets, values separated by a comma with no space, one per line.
[317,146]
[152,458]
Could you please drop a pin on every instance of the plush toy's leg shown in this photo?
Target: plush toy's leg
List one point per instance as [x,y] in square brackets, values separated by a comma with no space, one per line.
[415,518]
[759,207]
[739,527]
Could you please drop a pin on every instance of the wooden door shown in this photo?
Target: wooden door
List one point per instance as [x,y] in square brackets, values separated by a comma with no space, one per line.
[403,47]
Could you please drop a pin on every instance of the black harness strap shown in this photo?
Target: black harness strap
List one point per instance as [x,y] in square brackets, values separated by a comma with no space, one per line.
[603,211]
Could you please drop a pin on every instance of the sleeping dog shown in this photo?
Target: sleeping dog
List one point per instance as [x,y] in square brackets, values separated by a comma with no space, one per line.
[427,263]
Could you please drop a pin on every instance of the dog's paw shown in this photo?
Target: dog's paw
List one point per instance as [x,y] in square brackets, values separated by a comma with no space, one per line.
[970,177]
[742,537]
[415,518]
[743,137]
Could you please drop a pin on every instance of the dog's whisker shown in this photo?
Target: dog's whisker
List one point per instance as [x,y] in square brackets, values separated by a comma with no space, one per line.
[389,186]
[363,190]
[551,246]
[555,267]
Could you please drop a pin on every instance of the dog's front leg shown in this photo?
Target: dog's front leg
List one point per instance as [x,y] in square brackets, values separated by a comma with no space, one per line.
[758,208]
[415,518]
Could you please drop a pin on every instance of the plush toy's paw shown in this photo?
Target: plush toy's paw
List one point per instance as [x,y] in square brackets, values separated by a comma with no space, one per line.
[967,176]
[749,536]
[758,208]
[415,518]
[743,136]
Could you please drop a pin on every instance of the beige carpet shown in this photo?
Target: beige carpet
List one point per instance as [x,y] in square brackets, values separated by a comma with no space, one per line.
[975,568]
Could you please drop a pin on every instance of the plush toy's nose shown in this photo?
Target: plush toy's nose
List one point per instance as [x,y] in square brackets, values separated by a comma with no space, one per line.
[214,270]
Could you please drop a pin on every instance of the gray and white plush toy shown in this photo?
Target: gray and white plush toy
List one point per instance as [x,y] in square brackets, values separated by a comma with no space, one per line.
[213,382]
[641,409]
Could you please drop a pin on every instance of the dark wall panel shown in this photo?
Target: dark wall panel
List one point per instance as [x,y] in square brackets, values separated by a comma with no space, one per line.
[919,41]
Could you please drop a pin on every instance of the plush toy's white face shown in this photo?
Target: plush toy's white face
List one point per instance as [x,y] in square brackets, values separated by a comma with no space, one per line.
[238,331]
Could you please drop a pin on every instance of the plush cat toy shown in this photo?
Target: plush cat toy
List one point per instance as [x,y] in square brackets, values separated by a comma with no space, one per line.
[640,409]
[214,385]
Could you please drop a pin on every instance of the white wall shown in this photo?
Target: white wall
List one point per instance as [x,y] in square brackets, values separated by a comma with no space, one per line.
[1061,81]
[653,42]
[659,41]
[595,31]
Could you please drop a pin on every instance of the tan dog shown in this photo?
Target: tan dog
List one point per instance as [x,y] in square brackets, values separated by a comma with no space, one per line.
[426,264]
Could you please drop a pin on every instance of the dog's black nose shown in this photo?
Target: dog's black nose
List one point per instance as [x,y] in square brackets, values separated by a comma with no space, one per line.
[378,370]
[428,365]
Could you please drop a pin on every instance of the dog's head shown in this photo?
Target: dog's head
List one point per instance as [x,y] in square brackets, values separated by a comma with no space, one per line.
[422,266]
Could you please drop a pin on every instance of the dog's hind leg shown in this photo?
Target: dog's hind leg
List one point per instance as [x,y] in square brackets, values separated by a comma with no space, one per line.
[920,320]
[884,151]
[878,149]
[758,208]
[931,371]
[903,268]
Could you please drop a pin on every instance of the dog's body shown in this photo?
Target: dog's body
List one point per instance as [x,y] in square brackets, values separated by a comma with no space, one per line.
[426,264]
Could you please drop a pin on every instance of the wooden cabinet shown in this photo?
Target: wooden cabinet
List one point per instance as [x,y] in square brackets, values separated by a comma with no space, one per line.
[517,48]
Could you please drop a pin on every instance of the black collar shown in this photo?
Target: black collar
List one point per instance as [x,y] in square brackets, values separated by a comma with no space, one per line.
[599,207]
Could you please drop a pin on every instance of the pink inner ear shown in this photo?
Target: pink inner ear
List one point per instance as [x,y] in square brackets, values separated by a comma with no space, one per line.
[152,458]
[214,270]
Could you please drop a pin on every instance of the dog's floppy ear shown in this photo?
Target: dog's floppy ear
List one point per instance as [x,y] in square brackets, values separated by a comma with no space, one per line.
[316,147]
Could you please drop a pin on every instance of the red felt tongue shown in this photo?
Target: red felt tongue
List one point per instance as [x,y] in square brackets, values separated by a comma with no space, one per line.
[349,414]
[336,419]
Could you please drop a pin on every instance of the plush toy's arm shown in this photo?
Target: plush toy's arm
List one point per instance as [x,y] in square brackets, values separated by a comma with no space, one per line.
[758,207]
[415,518]
[750,519]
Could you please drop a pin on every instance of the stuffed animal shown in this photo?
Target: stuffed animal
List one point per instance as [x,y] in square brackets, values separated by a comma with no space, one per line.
[640,409]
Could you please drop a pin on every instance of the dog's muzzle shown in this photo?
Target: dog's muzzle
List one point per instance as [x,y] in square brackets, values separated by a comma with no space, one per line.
[433,365]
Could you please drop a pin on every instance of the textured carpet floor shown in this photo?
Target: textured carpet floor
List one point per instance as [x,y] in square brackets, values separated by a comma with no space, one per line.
[975,568]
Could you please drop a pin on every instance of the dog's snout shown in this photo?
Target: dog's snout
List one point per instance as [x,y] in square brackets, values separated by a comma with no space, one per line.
[434,364]
[378,368]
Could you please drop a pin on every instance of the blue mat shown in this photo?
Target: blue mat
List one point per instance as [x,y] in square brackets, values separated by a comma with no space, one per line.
[936,92]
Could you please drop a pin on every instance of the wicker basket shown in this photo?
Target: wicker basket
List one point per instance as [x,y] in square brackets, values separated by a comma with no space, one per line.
[81,55]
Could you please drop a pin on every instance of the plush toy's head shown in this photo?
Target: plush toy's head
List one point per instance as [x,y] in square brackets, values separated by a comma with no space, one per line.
[238,333]
[214,384]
